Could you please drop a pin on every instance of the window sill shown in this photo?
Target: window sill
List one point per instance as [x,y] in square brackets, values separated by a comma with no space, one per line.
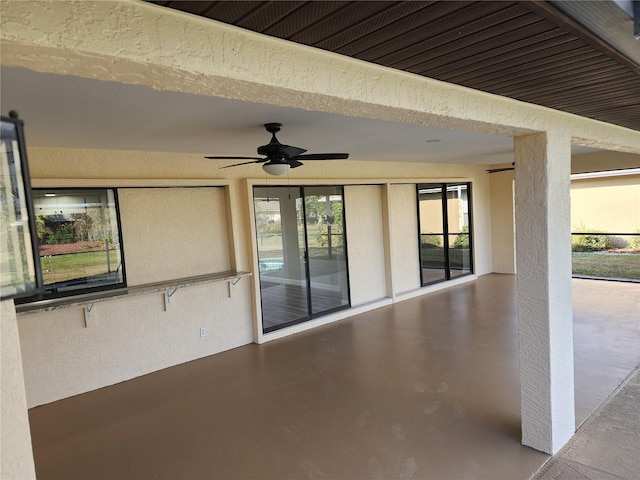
[168,288]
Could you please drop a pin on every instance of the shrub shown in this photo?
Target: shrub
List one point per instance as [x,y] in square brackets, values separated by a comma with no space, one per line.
[462,240]
[430,241]
[590,241]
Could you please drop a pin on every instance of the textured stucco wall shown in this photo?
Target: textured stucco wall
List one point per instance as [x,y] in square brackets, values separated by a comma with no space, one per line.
[598,161]
[128,338]
[403,226]
[502,223]
[173,233]
[16,455]
[365,243]
[543,262]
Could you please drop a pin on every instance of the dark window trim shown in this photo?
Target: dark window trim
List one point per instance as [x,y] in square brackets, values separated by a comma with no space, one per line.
[28,200]
[445,231]
[311,316]
[49,295]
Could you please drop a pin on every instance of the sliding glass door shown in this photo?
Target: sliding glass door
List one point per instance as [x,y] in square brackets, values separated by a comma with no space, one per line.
[444,213]
[301,253]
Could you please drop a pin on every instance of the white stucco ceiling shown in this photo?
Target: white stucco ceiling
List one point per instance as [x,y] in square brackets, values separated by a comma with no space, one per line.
[72,112]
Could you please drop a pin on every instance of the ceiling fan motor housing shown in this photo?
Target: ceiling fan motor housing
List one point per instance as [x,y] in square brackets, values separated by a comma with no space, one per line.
[273,128]
[272,149]
[275,151]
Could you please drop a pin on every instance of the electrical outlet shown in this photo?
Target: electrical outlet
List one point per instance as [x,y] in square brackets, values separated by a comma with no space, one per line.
[203,332]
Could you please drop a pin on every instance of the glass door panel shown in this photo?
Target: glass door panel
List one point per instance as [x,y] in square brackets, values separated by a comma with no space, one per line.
[432,239]
[459,236]
[327,259]
[281,256]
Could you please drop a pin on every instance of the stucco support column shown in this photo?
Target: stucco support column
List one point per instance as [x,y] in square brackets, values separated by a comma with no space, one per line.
[543,263]
[16,455]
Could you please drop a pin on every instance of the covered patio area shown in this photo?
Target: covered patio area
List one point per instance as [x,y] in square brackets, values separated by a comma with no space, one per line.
[426,388]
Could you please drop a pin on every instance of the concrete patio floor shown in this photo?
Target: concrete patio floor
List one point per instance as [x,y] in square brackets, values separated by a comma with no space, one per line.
[426,389]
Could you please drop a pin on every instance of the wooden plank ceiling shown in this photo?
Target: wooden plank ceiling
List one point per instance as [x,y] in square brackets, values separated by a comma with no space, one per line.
[528,51]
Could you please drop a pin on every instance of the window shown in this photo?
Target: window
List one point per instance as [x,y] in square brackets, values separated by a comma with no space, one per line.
[19,272]
[79,236]
[444,212]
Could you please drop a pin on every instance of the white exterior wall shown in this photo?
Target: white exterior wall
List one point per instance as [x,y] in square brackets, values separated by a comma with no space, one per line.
[16,454]
[609,204]
[128,337]
[173,233]
[502,223]
[403,229]
[365,243]
[543,258]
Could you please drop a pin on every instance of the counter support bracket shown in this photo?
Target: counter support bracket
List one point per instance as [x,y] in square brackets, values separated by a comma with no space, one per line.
[168,297]
[89,320]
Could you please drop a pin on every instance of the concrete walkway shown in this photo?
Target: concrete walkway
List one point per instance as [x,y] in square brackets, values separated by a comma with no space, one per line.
[607,445]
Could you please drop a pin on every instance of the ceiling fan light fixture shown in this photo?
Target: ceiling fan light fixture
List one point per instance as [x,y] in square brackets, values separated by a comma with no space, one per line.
[276,168]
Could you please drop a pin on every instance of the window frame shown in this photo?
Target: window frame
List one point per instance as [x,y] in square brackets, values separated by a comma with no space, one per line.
[445,230]
[310,314]
[23,185]
[46,293]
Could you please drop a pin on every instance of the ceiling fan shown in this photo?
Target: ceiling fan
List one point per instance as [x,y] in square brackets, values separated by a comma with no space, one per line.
[279,158]
[505,169]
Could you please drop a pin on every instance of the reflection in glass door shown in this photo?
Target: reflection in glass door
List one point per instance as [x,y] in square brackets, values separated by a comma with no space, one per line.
[327,259]
[301,253]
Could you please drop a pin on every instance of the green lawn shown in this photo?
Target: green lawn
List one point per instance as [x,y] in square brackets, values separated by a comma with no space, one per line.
[606,265]
[60,268]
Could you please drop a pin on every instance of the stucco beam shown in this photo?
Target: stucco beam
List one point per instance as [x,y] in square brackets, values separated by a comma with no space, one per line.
[166,78]
[135,42]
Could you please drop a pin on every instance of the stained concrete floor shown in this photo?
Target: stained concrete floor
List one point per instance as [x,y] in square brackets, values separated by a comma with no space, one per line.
[425,389]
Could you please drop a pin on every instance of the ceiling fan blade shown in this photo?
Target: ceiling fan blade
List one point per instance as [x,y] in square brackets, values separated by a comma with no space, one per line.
[496,170]
[294,163]
[245,163]
[236,158]
[291,152]
[321,156]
